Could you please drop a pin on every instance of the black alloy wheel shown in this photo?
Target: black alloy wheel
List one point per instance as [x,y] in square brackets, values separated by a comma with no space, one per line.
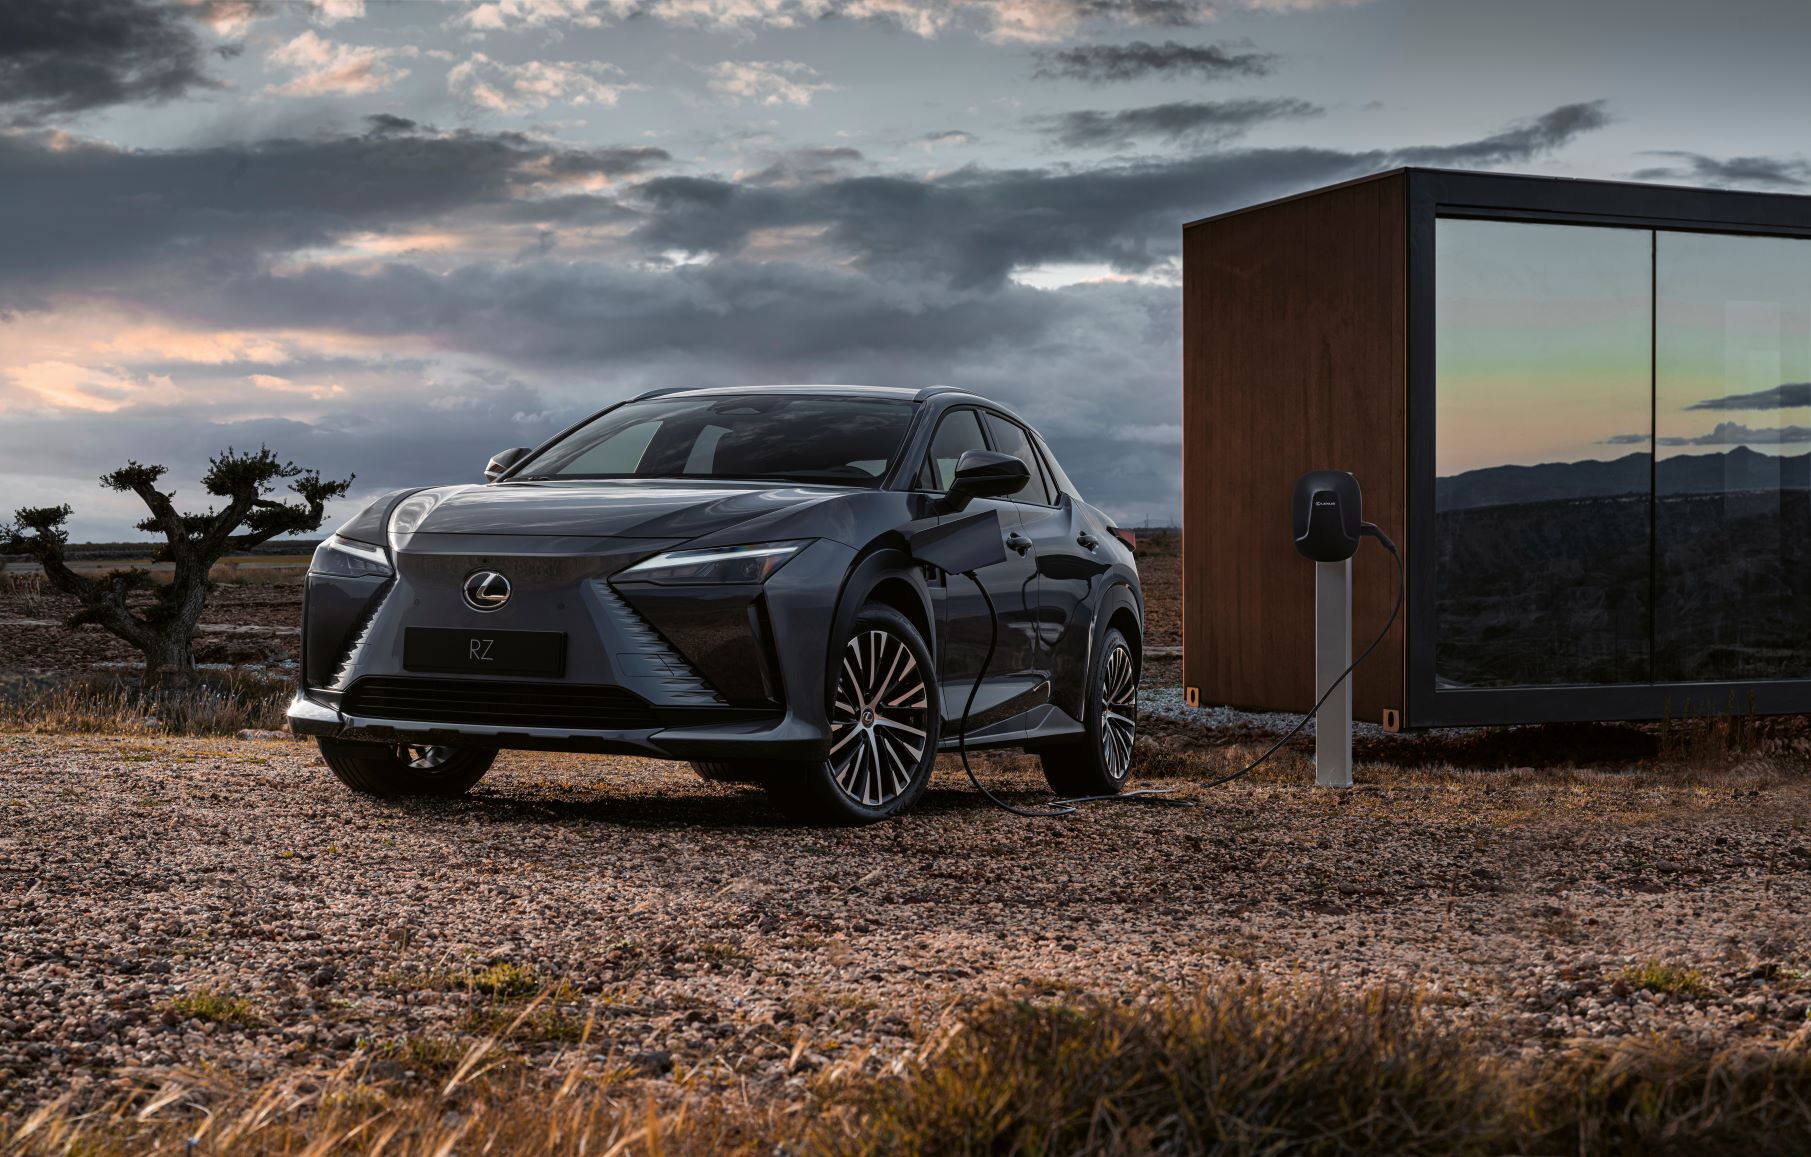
[883,728]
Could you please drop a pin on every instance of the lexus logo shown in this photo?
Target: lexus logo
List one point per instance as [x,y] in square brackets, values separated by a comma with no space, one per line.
[486,590]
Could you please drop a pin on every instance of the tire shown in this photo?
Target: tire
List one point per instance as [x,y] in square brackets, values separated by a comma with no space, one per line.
[389,770]
[731,771]
[1100,762]
[881,751]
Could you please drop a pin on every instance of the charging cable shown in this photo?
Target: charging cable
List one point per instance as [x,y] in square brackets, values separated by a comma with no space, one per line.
[1375,532]
[1061,807]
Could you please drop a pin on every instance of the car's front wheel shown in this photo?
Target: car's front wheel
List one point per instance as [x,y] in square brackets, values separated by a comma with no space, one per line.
[883,729]
[400,769]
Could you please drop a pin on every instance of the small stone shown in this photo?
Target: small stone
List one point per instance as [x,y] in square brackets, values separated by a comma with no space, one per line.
[652,1063]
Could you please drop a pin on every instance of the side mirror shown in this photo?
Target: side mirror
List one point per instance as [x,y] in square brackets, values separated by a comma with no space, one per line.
[986,474]
[500,463]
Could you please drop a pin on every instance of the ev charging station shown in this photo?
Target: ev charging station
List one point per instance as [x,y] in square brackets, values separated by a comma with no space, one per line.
[1327,514]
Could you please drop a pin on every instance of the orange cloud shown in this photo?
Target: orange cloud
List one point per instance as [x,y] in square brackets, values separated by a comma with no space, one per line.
[96,389]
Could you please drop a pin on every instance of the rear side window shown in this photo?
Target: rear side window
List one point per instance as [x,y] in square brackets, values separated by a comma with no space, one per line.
[958,431]
[1011,438]
[1057,477]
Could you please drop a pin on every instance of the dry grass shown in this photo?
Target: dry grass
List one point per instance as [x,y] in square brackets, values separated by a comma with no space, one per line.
[26,593]
[215,1008]
[1669,979]
[1247,1069]
[220,703]
[1243,1070]
[1261,1070]
[506,980]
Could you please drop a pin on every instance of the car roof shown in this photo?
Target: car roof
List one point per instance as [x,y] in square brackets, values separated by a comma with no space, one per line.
[901,393]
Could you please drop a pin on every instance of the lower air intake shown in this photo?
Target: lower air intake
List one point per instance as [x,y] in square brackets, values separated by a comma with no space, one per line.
[499,704]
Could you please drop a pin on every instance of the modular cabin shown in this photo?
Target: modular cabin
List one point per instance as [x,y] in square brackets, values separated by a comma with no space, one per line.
[1582,408]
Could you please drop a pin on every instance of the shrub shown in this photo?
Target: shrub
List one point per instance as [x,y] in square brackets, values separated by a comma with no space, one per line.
[214,1007]
[506,981]
[1671,979]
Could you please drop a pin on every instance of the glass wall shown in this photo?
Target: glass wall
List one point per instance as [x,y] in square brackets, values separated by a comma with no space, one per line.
[1623,456]
[1733,430]
[1543,443]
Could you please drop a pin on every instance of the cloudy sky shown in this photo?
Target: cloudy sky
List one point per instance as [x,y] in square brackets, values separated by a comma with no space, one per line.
[392,238]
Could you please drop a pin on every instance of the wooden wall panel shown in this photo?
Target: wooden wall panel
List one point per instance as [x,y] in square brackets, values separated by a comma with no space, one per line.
[1294,359]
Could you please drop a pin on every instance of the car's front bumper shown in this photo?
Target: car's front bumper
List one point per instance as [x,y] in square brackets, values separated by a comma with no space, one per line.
[779,737]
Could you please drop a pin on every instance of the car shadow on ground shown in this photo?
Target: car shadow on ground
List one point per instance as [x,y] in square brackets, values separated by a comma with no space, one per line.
[686,809]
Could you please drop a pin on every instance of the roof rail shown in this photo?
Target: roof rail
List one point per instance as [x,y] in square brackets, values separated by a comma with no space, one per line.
[660,391]
[933,391]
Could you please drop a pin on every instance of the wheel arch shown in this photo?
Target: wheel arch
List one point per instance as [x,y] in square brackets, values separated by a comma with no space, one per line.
[1122,613]
[886,574]
[1119,606]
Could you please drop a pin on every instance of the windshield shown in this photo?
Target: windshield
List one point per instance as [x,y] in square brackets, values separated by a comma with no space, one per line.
[791,438]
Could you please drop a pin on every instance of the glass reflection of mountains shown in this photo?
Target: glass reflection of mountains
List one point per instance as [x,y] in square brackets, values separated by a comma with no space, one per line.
[1548,575]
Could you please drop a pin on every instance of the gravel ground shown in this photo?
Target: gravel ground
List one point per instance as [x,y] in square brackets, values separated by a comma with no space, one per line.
[715,946]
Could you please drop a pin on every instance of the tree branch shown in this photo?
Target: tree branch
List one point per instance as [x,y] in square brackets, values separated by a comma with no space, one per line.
[142,481]
[38,532]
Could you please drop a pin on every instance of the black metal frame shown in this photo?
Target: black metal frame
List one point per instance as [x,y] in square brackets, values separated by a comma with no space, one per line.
[1433,194]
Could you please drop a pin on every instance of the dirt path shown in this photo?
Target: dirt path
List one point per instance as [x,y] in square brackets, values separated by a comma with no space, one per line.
[711,943]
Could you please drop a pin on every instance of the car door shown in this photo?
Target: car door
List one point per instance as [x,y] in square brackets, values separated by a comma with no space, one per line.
[1067,565]
[1015,680]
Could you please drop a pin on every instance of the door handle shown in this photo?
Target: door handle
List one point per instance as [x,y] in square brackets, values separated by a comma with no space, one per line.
[1086,541]
[1018,542]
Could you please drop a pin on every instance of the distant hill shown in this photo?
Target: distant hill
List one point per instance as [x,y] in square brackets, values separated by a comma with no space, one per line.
[1737,469]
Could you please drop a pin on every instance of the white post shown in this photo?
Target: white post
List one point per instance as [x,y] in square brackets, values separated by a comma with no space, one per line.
[1332,655]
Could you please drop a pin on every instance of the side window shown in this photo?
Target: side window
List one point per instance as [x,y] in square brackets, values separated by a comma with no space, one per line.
[1010,438]
[958,431]
[1059,479]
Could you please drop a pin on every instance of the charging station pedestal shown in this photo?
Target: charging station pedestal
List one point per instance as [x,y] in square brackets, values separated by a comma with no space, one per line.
[1332,655]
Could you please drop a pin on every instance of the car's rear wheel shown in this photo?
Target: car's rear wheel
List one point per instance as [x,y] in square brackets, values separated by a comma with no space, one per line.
[883,729]
[1100,762]
[400,769]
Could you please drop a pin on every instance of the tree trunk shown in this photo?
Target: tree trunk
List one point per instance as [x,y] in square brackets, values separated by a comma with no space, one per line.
[170,658]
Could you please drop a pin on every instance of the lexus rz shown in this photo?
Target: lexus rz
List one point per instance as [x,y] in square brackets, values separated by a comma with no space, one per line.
[727,577]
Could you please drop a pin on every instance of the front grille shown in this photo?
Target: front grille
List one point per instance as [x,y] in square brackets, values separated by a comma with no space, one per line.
[499,703]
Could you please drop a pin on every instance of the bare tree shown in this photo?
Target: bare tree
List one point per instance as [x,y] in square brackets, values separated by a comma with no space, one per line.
[164,627]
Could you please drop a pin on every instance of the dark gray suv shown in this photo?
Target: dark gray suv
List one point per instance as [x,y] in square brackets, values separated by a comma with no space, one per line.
[728,576]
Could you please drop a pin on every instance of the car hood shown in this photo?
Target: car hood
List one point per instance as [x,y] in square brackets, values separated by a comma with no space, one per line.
[617,508]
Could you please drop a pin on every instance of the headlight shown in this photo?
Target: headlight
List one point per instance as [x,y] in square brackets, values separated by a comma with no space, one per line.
[409,514]
[348,559]
[716,564]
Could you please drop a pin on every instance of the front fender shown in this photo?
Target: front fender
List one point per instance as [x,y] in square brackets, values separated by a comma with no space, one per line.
[893,566]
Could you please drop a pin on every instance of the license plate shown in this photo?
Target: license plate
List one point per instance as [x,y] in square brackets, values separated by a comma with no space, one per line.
[478,652]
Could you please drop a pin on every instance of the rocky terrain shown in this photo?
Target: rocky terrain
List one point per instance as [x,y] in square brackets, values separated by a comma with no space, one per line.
[224,906]
[221,911]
